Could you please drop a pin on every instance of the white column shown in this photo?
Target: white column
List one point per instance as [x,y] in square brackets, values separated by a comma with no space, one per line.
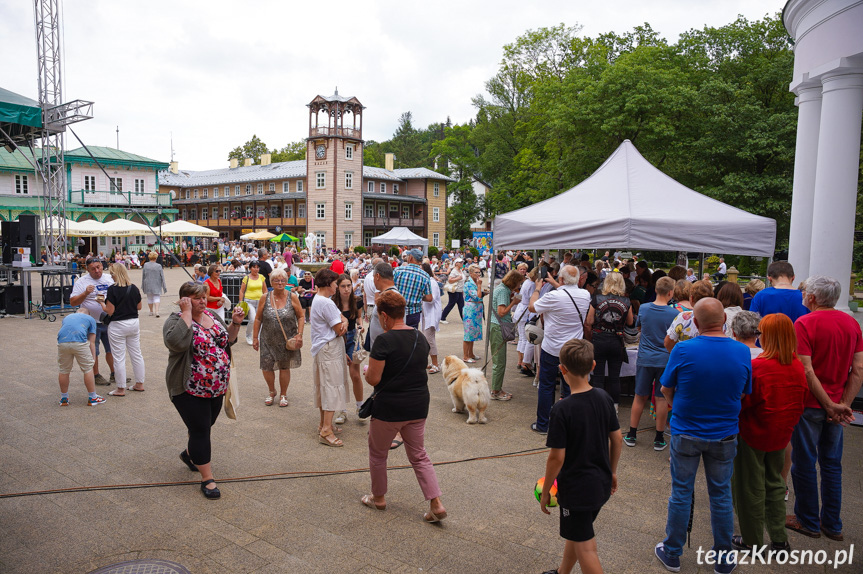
[835,203]
[805,161]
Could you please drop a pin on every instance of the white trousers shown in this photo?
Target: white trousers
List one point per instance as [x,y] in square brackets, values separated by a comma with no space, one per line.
[253,311]
[125,336]
[524,345]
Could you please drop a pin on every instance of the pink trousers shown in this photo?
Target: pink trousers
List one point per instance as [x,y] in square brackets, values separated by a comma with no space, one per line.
[381,434]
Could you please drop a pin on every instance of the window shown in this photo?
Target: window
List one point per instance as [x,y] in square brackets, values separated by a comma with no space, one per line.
[187,194]
[435,213]
[299,186]
[272,186]
[301,210]
[349,239]
[204,213]
[225,212]
[193,213]
[322,238]
[367,239]
[195,195]
[89,182]
[248,189]
[236,190]
[227,191]
[395,189]
[117,184]
[371,187]
[289,210]
[436,239]
[286,187]
[320,179]
[406,212]
[349,211]
[215,192]
[349,152]
[22,185]
[369,210]
[274,211]
[260,189]
[437,189]
[381,211]
[320,211]
[349,180]
[383,187]
[205,193]
[184,214]
[249,212]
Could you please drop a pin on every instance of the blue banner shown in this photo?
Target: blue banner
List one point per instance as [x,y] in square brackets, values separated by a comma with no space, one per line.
[482,241]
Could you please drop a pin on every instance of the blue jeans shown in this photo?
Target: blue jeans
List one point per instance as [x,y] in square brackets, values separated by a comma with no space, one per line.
[815,439]
[548,371]
[718,456]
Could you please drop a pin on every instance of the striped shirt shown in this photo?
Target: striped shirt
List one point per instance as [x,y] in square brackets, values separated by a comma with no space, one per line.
[413,283]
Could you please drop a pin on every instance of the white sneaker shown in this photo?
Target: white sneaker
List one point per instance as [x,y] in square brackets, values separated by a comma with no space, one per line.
[249,342]
[444,322]
[341,418]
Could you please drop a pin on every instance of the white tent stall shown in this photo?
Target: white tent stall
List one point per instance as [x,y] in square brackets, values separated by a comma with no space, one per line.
[629,204]
[184,228]
[402,236]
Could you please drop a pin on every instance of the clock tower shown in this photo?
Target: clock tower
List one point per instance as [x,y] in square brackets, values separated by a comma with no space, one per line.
[334,170]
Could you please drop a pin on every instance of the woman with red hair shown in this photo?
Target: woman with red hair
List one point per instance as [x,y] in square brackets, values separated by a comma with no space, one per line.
[767,420]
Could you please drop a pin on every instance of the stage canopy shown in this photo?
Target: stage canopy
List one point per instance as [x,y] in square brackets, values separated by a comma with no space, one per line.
[629,204]
[20,117]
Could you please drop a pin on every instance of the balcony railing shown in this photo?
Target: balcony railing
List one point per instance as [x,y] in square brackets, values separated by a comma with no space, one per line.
[119,198]
[255,222]
[344,132]
[393,222]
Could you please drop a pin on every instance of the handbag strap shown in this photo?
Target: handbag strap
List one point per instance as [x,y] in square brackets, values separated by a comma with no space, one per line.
[278,319]
[580,318]
[378,387]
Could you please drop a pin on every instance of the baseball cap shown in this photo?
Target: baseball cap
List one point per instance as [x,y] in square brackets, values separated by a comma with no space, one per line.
[415,253]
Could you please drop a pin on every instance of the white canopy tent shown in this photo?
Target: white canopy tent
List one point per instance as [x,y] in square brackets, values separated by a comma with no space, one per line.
[184,228]
[402,236]
[627,203]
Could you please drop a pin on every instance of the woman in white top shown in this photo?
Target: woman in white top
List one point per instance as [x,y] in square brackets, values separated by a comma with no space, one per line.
[521,315]
[330,368]
[456,296]
[431,319]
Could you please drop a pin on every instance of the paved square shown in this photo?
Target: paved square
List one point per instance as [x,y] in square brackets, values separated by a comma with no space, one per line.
[297,522]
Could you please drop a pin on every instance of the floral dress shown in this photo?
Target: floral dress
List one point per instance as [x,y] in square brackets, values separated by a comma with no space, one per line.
[211,366]
[274,354]
[473,309]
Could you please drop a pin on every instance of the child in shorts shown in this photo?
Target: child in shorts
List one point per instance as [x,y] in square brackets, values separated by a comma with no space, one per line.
[76,341]
[585,467]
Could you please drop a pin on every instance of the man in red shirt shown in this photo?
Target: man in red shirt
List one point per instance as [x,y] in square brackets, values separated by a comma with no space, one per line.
[337,265]
[830,345]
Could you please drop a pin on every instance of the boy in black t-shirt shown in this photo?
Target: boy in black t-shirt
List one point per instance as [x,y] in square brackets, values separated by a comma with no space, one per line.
[585,441]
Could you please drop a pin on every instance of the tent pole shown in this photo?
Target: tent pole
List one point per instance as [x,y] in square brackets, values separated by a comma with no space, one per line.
[701,267]
[491,295]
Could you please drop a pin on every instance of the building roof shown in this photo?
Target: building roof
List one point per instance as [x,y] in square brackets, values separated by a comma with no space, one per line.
[16,161]
[109,154]
[379,173]
[420,173]
[243,174]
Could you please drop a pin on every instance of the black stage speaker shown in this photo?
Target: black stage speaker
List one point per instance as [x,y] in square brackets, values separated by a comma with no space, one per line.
[28,235]
[51,295]
[14,299]
[9,229]
[67,294]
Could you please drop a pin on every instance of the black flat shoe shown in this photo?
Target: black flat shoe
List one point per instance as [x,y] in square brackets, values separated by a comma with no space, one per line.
[527,372]
[184,456]
[211,493]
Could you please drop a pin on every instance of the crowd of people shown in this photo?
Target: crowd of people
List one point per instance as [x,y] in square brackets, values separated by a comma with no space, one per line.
[775,403]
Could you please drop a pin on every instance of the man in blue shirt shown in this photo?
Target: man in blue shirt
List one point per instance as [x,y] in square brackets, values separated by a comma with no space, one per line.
[704,382]
[781,296]
[654,318]
[76,341]
[413,284]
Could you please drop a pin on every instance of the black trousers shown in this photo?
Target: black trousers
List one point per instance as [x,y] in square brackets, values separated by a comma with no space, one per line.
[607,350]
[199,415]
[455,298]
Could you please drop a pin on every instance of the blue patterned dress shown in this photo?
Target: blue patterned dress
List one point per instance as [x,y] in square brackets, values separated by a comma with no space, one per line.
[472,318]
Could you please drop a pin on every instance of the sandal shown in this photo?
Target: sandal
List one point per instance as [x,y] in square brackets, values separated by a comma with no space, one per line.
[369,500]
[269,400]
[434,370]
[396,443]
[114,393]
[330,440]
[336,430]
[136,389]
[501,396]
[470,360]
[431,517]
[283,401]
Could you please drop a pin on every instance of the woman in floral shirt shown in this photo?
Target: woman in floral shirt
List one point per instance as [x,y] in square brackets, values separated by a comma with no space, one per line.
[199,366]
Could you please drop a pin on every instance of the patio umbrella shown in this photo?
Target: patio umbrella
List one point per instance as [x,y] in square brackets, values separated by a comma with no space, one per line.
[180,227]
[125,228]
[261,236]
[283,237]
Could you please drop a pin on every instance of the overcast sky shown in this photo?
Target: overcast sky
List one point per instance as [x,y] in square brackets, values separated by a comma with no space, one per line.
[216,72]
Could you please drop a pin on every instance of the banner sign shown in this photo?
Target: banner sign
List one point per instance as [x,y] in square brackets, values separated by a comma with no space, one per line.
[482,241]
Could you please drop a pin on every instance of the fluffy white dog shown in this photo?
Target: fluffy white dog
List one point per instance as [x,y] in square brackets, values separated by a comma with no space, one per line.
[468,388]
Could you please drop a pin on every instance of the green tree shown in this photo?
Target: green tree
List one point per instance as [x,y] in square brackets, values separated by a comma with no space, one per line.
[407,143]
[253,149]
[457,157]
[292,152]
